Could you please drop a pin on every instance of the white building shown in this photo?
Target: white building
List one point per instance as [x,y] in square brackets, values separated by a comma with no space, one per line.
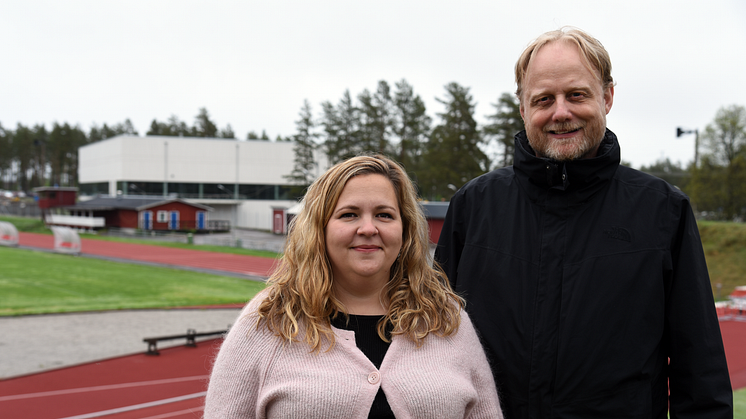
[241,180]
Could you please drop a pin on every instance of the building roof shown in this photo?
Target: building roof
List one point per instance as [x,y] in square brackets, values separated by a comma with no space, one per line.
[435,210]
[130,202]
[55,188]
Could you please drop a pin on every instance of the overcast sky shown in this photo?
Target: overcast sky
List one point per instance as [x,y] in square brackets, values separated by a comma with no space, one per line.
[252,63]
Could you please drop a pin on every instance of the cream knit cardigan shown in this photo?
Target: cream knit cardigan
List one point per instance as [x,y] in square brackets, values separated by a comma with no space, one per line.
[256,375]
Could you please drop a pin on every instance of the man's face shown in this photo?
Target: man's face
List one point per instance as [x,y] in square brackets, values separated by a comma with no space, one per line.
[564,105]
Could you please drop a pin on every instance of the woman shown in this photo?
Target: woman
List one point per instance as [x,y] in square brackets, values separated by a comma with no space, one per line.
[355,322]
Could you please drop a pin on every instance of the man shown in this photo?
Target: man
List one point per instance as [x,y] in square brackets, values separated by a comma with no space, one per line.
[585,279]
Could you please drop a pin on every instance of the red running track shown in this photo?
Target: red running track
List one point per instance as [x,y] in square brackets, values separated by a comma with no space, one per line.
[246,265]
[170,385]
[173,384]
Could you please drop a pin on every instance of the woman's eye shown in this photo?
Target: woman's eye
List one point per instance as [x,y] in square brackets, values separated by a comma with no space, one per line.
[347,215]
[386,215]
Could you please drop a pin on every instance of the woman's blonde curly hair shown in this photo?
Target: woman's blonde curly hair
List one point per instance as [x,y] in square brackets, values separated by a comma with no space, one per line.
[300,297]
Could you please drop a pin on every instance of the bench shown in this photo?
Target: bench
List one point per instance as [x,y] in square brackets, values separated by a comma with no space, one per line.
[190,337]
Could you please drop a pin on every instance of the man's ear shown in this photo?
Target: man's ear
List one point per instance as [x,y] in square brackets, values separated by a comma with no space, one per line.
[609,98]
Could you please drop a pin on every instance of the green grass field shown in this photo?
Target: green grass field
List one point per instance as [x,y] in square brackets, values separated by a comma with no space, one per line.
[739,404]
[38,282]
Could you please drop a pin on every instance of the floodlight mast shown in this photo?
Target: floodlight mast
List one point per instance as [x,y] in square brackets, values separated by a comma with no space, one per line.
[680,132]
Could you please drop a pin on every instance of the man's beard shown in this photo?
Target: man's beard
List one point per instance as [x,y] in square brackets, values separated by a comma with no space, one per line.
[570,149]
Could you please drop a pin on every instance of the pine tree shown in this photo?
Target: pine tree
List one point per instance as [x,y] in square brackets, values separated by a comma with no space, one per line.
[453,153]
[504,124]
[305,145]
[203,125]
[411,127]
[341,129]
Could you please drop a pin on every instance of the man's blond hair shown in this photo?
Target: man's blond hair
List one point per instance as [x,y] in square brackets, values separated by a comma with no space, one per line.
[594,54]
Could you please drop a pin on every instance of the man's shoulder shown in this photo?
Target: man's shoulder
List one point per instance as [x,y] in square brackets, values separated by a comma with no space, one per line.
[636,179]
[500,175]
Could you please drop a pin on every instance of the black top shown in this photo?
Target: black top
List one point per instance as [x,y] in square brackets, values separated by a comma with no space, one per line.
[368,341]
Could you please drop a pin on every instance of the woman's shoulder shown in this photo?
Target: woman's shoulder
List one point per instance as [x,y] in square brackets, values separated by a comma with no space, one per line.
[466,334]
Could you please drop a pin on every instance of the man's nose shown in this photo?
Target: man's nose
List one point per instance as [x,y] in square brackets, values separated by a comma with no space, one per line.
[561,110]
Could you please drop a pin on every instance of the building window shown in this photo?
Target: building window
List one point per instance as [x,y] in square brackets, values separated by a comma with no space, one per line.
[162,216]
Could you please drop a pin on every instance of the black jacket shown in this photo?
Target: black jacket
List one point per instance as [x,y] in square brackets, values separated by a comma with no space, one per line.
[583,279]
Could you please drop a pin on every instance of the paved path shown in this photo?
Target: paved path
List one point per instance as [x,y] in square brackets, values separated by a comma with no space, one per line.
[31,344]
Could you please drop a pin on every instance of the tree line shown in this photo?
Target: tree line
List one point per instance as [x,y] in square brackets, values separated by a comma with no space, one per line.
[32,156]
[716,183]
[440,154]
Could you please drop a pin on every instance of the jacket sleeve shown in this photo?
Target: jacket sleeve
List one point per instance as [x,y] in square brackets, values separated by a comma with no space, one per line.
[450,243]
[236,378]
[699,382]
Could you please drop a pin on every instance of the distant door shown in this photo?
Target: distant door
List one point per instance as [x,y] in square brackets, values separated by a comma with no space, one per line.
[201,220]
[173,220]
[147,220]
[278,224]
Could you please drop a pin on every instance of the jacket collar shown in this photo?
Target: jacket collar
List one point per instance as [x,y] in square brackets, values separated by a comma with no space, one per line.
[577,178]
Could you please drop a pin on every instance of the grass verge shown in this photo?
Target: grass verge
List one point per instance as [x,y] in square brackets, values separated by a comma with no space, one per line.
[739,404]
[38,282]
[725,251]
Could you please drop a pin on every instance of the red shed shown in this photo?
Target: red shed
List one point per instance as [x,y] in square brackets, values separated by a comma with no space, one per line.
[435,212]
[147,213]
[52,197]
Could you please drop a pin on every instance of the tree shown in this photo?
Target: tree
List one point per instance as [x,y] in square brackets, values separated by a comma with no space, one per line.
[6,156]
[173,128]
[453,152]
[411,126]
[203,125]
[98,134]
[63,144]
[227,132]
[341,128]
[305,145]
[725,137]
[672,173]
[376,119]
[25,155]
[719,183]
[504,124]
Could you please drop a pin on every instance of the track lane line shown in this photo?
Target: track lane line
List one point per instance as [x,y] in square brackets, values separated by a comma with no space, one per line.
[137,406]
[101,388]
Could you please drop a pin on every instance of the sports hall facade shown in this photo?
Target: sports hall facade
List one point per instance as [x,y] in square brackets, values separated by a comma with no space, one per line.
[241,180]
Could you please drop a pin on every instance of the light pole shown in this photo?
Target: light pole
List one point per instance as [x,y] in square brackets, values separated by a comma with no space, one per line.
[680,132]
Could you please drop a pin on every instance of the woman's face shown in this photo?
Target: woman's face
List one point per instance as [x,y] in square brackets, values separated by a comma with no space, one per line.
[364,235]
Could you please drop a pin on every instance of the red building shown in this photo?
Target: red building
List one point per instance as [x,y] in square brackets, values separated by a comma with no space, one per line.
[148,213]
[435,212]
[52,197]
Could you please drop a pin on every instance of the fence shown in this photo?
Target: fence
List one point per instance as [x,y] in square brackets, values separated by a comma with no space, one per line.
[19,208]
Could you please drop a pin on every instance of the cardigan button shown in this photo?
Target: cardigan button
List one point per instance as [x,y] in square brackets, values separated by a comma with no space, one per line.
[374,377]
